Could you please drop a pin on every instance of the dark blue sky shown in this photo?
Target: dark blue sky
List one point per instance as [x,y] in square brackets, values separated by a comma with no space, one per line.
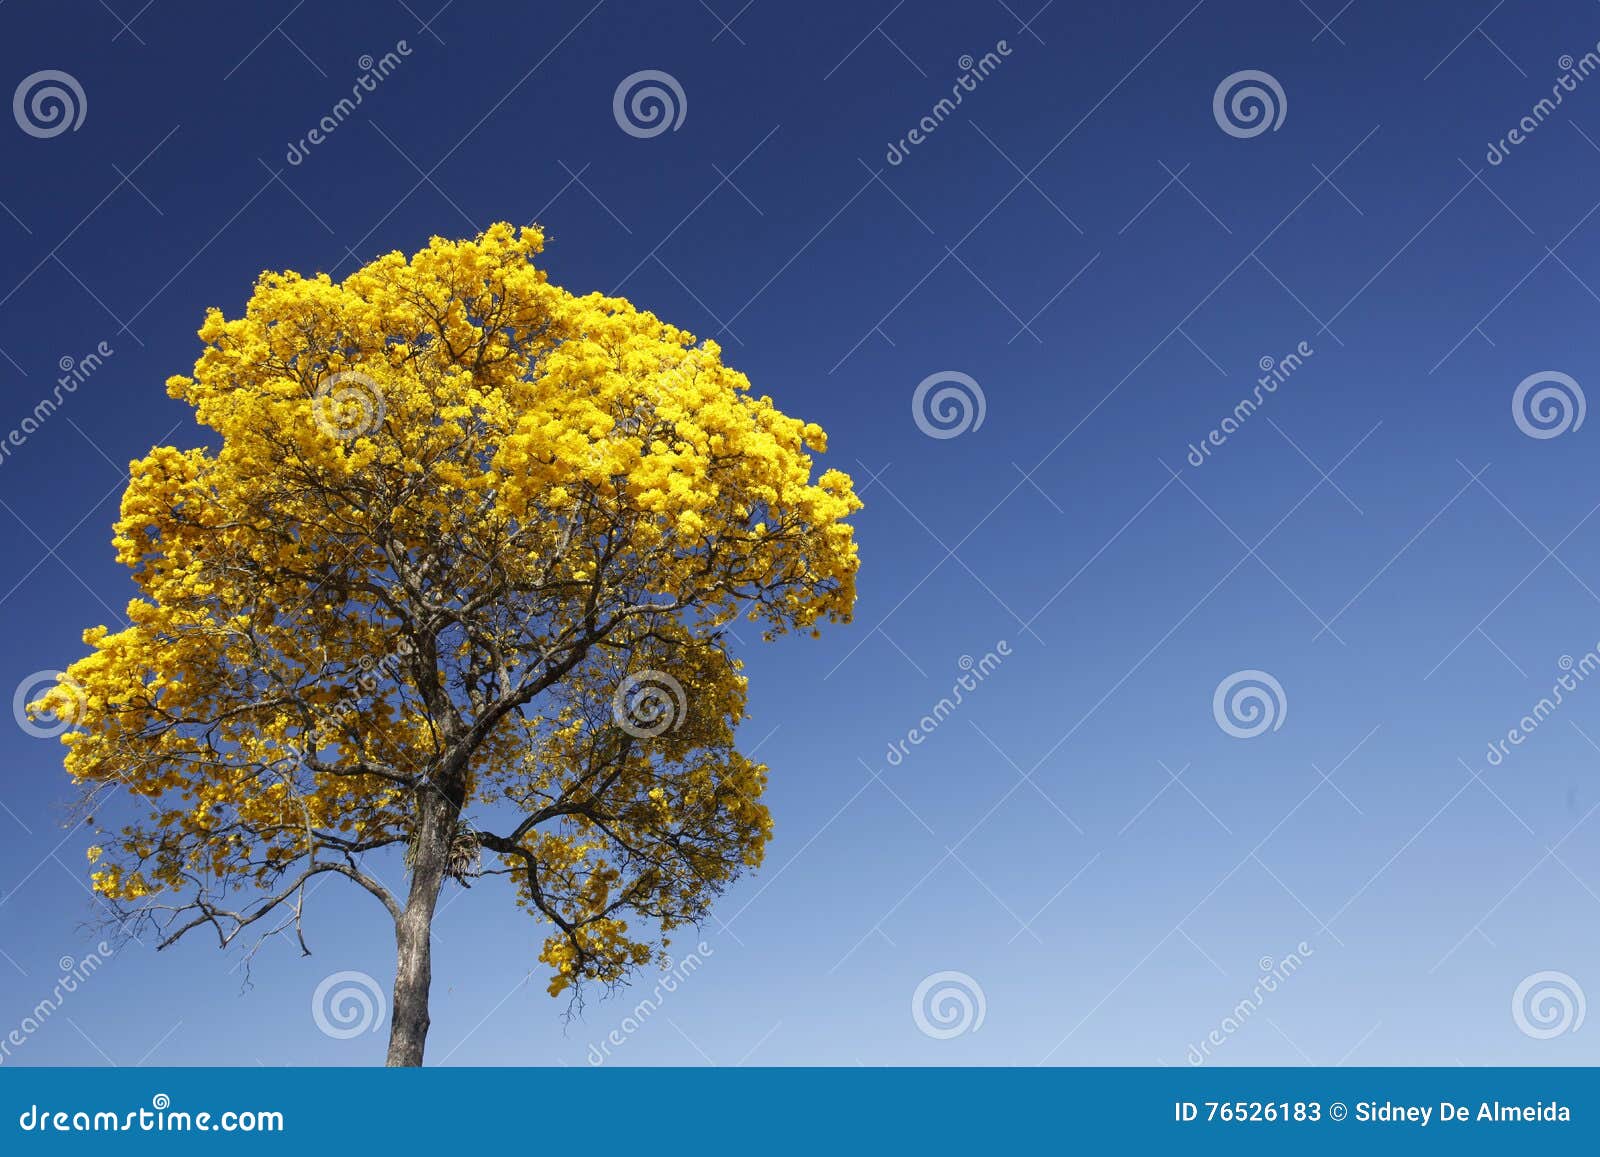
[1085,241]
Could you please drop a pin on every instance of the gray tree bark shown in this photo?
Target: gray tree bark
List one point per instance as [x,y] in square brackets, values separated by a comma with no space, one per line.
[408,1023]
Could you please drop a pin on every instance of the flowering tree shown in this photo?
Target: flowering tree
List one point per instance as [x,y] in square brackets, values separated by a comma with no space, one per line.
[455,580]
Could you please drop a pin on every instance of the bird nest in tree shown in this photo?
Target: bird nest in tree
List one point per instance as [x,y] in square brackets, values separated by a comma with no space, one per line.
[465,858]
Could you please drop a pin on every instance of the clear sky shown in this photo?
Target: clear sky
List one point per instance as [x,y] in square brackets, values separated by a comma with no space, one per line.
[1084,239]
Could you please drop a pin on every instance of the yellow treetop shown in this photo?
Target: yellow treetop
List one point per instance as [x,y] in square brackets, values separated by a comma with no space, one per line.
[456,577]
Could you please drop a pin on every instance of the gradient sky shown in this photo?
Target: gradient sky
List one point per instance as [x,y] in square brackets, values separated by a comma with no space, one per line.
[1110,266]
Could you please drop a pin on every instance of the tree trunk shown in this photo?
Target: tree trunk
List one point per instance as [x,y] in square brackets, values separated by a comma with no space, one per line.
[408,1024]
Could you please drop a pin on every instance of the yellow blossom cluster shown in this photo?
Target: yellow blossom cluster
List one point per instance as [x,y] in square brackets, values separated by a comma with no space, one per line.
[447,510]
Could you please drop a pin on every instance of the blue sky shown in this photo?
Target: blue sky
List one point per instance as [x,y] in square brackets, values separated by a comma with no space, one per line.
[1084,240]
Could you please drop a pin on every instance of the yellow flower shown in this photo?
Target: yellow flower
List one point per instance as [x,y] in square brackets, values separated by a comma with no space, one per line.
[452,515]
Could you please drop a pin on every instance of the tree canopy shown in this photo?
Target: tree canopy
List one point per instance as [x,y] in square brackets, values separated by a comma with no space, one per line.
[456,578]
